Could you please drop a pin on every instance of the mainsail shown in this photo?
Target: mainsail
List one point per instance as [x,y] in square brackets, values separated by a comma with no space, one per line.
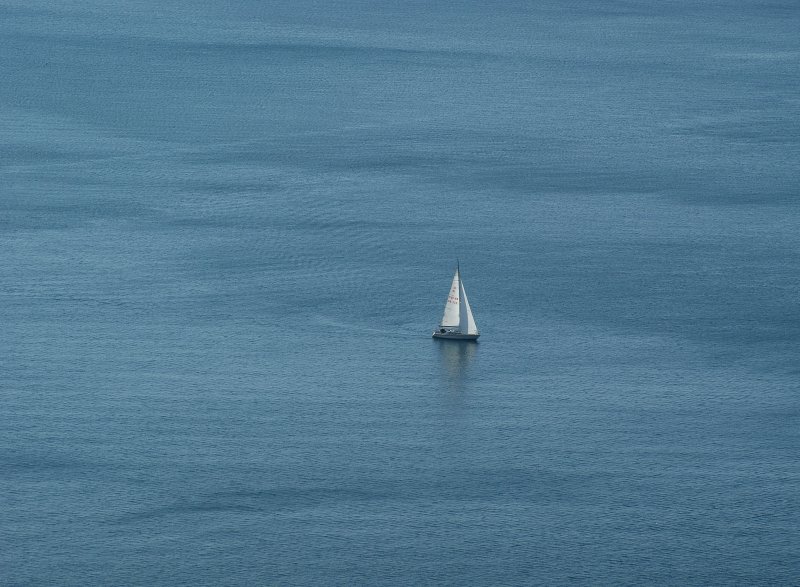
[451,313]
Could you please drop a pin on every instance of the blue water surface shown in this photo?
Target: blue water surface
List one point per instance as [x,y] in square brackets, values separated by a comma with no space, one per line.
[227,231]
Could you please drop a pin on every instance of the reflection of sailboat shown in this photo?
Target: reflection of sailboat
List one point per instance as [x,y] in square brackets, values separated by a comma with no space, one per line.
[456,359]
[455,365]
[457,322]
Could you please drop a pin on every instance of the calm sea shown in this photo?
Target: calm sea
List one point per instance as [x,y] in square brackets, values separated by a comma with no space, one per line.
[227,230]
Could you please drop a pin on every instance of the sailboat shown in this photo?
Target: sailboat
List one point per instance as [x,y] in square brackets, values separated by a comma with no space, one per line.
[457,322]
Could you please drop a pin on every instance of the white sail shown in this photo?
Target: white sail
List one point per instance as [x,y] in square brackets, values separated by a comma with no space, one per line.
[466,323]
[463,318]
[451,315]
[457,321]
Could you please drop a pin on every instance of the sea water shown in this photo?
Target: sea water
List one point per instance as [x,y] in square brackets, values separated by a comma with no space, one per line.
[227,231]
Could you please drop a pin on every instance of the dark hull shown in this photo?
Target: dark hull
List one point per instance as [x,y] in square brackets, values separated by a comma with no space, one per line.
[455,336]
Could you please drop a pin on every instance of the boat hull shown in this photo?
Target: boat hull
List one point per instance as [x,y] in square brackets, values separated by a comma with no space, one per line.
[455,336]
